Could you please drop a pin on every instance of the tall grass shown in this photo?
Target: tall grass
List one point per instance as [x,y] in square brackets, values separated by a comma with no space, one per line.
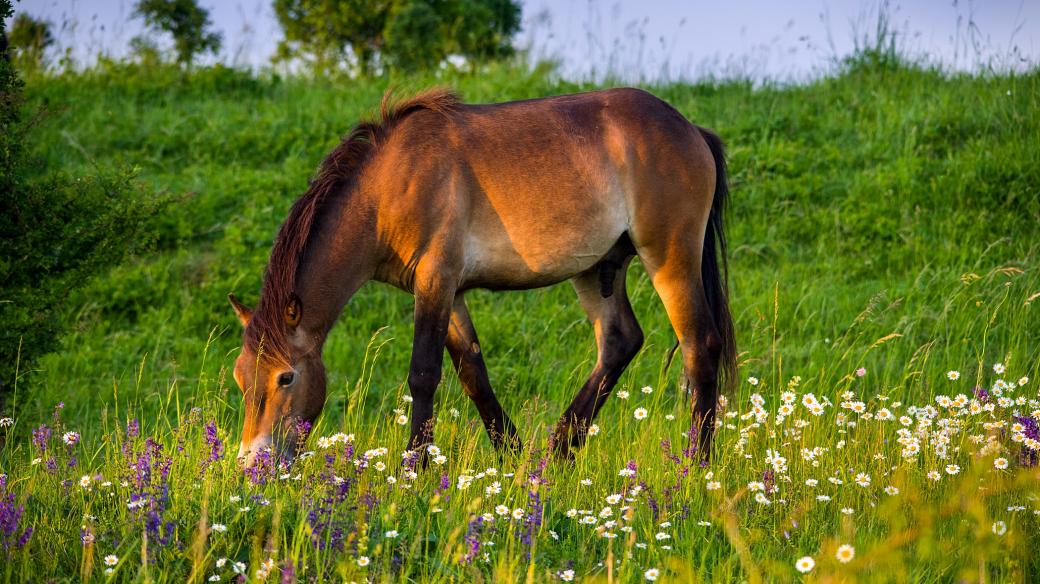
[884,219]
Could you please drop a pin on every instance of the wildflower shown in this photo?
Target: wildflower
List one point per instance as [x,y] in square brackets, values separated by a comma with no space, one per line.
[626,472]
[952,469]
[805,564]
[811,482]
[362,561]
[518,513]
[934,475]
[845,553]
[1022,381]
[586,482]
[219,527]
[567,575]
[440,459]
[593,430]
[390,534]
[823,498]
[713,485]
[661,536]
[613,499]
[647,389]
[84,481]
[622,394]
[640,413]
[111,560]
[891,491]
[493,489]
[752,380]
[953,375]
[755,486]
[70,438]
[863,479]
[6,422]
[433,450]
[214,578]
[848,510]
[761,498]
[1000,463]
[402,420]
[1000,528]
[998,368]
[651,574]
[859,373]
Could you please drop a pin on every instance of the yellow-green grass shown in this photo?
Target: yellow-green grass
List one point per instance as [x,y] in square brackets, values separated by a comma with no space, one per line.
[885,219]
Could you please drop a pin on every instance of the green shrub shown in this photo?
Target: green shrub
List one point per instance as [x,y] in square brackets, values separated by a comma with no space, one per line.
[55,232]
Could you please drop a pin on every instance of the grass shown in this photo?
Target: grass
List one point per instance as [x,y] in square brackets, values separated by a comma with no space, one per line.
[884,218]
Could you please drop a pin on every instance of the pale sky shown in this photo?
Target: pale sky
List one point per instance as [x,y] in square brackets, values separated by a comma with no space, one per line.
[646,39]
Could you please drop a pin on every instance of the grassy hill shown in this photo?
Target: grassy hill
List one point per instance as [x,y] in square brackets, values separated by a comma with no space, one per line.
[887,218]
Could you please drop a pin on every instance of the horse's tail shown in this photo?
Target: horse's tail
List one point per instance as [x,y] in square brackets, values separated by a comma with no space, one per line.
[715,265]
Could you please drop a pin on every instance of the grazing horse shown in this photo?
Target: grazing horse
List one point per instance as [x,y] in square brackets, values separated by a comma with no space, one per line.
[439,197]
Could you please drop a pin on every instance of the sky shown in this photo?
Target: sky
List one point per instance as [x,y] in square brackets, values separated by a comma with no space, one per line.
[645,40]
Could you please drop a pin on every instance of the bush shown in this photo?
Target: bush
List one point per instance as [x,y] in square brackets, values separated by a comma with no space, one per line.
[55,232]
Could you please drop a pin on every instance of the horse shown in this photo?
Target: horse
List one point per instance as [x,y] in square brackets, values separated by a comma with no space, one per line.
[437,197]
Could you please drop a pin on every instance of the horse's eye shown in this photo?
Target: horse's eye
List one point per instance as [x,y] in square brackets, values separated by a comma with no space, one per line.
[286,379]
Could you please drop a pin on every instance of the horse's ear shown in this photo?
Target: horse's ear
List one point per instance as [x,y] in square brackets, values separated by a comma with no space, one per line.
[293,311]
[243,312]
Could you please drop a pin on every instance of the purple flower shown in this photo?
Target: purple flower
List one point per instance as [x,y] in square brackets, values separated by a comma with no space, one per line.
[41,436]
[216,446]
[11,533]
[981,394]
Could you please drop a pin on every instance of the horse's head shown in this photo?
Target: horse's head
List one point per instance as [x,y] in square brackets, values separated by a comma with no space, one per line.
[283,394]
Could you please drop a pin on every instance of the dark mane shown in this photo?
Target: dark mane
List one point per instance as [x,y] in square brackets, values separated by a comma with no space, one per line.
[335,174]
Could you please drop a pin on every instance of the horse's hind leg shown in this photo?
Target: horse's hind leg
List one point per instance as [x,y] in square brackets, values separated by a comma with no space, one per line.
[464,348]
[602,293]
[675,271]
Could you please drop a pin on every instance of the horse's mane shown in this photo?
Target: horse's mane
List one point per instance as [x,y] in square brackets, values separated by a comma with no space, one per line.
[335,174]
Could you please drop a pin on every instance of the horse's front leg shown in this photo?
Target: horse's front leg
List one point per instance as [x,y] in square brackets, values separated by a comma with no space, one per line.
[433,301]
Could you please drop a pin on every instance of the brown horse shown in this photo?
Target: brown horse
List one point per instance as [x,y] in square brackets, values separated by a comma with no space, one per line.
[439,197]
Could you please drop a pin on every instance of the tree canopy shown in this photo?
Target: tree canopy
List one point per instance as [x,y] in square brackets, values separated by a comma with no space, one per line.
[186,21]
[398,34]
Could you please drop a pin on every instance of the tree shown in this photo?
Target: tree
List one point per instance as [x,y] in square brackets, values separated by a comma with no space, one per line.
[56,232]
[30,38]
[400,34]
[186,21]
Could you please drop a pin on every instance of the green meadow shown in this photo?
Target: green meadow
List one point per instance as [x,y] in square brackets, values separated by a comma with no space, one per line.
[884,234]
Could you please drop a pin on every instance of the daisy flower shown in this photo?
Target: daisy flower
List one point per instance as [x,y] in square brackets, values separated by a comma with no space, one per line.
[805,564]
[593,430]
[362,561]
[953,375]
[752,380]
[640,413]
[952,469]
[845,553]
[1000,463]
[651,574]
[111,560]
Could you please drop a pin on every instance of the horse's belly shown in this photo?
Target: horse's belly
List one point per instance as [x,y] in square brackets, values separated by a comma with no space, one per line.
[538,251]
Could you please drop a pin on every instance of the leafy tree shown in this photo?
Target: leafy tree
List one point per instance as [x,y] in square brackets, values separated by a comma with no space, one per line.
[186,21]
[55,232]
[30,39]
[401,34]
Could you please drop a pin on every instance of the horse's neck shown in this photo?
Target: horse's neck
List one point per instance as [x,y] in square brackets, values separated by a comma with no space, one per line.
[340,259]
